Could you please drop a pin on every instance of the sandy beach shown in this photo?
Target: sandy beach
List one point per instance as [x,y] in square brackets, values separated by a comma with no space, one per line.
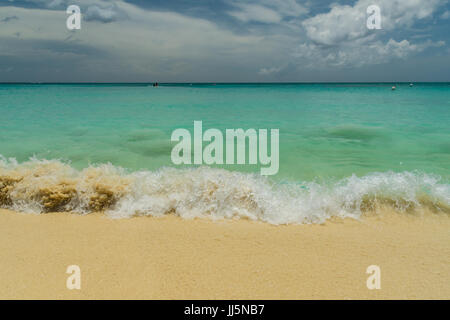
[173,258]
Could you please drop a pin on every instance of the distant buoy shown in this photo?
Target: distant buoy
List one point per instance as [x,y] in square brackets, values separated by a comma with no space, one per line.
[394,87]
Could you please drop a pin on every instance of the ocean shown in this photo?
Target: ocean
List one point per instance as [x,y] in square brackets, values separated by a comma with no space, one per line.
[344,149]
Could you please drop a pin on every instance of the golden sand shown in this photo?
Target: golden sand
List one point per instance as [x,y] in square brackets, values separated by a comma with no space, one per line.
[172,258]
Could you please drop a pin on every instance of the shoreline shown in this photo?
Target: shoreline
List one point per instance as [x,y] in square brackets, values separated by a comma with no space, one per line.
[173,258]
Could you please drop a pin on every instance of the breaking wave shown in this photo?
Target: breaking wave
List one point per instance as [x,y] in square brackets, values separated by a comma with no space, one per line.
[39,186]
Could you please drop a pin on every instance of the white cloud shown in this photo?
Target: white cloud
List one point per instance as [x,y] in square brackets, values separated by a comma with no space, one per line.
[347,23]
[340,37]
[93,10]
[256,13]
[358,54]
[270,70]
[267,11]
[104,14]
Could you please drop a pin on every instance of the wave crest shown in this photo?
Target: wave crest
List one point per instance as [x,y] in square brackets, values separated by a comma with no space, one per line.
[39,186]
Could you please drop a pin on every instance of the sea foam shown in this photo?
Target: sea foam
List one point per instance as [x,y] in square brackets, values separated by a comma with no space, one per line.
[39,186]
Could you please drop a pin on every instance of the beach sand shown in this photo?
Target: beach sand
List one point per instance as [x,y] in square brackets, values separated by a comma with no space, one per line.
[172,258]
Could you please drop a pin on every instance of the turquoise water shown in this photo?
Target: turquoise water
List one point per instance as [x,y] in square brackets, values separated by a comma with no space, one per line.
[328,132]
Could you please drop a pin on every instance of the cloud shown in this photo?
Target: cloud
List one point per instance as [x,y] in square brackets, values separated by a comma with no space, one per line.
[267,11]
[92,10]
[256,13]
[358,54]
[10,18]
[149,45]
[269,71]
[273,39]
[340,38]
[106,14]
[347,23]
[287,8]
[46,3]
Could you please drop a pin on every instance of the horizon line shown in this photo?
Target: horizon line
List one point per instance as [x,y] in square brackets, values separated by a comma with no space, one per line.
[219,82]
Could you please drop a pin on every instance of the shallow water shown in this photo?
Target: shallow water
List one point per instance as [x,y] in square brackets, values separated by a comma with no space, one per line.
[377,142]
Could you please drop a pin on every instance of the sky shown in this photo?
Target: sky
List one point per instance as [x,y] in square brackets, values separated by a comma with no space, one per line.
[224,41]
